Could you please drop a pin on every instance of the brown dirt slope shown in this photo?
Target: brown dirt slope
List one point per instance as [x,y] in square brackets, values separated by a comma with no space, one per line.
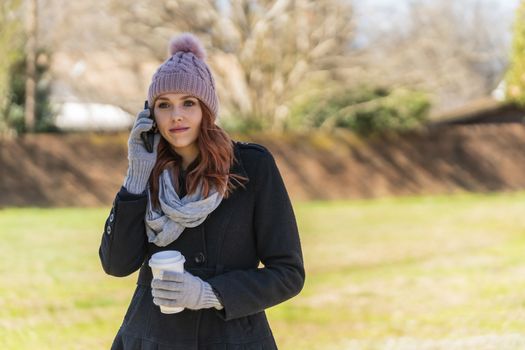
[87,170]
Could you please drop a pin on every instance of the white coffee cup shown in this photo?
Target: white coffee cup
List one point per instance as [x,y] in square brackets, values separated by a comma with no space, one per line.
[167,260]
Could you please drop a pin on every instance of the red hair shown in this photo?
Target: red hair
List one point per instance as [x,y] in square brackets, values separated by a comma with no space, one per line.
[215,158]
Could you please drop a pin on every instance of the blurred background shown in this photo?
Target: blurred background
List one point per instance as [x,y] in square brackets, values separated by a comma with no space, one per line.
[398,127]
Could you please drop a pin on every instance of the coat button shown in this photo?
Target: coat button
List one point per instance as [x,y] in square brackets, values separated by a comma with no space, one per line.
[108,230]
[111,217]
[199,258]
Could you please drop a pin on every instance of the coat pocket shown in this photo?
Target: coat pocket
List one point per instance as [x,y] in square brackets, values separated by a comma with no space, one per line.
[257,325]
[249,328]
[246,324]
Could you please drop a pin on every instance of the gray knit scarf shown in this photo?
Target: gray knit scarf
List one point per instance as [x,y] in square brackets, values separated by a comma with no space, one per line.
[165,226]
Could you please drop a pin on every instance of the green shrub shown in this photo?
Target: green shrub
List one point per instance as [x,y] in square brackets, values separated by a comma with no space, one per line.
[241,124]
[12,48]
[515,77]
[365,110]
[15,108]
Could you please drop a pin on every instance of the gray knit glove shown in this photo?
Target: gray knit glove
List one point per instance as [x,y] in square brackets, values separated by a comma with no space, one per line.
[141,162]
[183,290]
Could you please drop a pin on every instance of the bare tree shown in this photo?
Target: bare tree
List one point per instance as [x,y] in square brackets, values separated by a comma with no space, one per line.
[263,52]
[30,52]
[448,48]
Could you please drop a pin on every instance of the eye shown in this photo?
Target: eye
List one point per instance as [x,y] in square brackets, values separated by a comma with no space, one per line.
[189,103]
[163,105]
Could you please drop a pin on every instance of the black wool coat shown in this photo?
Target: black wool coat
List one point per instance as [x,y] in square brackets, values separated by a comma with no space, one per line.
[254,225]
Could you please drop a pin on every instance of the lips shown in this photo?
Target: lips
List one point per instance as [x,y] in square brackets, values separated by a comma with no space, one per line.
[178,129]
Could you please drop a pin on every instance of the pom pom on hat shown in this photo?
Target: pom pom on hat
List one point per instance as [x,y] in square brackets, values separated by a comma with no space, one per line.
[187,42]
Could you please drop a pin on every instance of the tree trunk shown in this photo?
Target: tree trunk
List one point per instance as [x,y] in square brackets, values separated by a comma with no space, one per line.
[31,65]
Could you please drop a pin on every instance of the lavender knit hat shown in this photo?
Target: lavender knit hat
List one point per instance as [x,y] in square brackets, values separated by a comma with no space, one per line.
[185,71]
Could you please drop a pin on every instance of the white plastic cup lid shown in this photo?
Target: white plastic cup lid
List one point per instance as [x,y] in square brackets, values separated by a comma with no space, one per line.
[167,257]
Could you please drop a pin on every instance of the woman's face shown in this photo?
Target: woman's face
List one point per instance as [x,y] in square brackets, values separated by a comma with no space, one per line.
[179,117]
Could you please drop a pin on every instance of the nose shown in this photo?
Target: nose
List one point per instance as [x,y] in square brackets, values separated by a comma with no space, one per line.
[176,113]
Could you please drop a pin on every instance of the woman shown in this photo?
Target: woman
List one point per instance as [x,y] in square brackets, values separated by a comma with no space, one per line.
[222,204]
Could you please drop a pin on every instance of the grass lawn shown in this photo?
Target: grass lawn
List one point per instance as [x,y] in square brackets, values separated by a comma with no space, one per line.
[423,273]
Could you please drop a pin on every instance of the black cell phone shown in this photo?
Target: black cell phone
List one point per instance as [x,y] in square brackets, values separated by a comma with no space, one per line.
[148,137]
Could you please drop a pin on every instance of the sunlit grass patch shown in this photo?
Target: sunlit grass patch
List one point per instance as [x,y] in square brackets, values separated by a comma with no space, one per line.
[437,272]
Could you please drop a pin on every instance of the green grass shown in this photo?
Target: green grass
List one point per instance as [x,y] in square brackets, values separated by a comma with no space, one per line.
[445,272]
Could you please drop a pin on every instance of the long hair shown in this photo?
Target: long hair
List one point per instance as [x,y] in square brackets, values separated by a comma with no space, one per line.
[213,163]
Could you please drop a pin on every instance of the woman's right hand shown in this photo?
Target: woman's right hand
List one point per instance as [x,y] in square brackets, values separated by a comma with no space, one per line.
[141,162]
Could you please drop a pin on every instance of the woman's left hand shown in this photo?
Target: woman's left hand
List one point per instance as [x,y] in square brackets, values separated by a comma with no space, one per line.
[183,290]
